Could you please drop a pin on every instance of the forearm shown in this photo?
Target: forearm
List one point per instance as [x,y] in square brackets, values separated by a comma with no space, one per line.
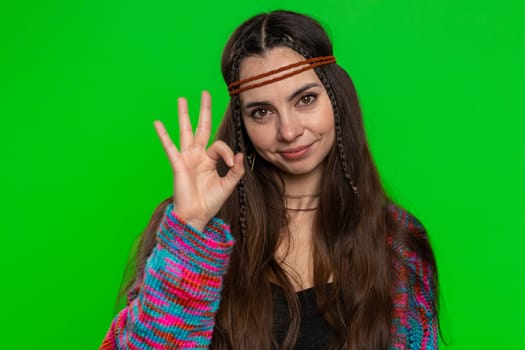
[180,294]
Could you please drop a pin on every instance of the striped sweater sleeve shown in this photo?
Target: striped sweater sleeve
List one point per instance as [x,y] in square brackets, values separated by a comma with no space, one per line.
[180,292]
[415,323]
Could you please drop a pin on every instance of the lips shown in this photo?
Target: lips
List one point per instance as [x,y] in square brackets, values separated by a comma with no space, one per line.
[295,153]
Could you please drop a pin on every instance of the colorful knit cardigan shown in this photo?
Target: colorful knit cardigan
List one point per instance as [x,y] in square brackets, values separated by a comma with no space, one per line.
[175,304]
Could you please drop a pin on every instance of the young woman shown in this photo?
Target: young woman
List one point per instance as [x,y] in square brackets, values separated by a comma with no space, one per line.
[279,235]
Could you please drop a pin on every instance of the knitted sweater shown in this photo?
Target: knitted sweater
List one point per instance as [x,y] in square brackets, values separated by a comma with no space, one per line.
[175,304]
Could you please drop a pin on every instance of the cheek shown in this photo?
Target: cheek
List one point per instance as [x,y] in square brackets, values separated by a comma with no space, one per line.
[259,136]
[326,123]
[331,137]
[329,125]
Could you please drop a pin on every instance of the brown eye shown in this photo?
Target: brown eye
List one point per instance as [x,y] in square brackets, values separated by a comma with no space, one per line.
[307,99]
[259,113]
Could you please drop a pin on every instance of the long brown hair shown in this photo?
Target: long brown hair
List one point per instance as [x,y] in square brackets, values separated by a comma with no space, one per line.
[351,228]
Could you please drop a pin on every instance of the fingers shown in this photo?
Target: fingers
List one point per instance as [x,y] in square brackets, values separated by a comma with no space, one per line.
[237,170]
[186,132]
[169,147]
[202,134]
[220,149]
[235,173]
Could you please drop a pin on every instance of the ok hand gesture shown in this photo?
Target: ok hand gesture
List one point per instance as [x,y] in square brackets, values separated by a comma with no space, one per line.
[199,191]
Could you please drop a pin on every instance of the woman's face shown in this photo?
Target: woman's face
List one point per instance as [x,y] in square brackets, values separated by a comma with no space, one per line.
[290,122]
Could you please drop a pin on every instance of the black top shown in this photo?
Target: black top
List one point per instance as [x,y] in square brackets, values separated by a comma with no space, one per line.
[314,331]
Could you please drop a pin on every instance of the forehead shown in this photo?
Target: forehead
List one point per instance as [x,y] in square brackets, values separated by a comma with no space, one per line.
[271,60]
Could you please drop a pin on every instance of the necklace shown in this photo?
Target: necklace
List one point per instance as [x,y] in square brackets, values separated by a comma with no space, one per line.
[302,209]
[302,195]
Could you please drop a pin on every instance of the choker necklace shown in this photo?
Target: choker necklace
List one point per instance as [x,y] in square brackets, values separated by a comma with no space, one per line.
[302,195]
[301,209]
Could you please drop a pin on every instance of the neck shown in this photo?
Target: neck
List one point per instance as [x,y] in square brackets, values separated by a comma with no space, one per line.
[302,191]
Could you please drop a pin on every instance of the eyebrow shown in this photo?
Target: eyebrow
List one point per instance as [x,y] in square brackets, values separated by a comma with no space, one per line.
[289,98]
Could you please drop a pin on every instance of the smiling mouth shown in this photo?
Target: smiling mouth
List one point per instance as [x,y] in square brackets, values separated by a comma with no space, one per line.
[295,153]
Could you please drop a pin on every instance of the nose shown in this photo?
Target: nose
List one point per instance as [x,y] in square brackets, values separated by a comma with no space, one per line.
[290,127]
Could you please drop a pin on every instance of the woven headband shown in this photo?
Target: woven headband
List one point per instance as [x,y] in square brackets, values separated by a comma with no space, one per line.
[234,88]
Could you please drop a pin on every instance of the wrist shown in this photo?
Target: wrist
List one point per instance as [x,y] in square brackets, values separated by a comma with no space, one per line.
[213,245]
[196,223]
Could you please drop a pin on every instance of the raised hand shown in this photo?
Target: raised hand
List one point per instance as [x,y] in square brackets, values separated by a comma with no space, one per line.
[199,191]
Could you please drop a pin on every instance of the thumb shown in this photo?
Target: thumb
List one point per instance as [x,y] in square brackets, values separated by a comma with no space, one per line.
[235,173]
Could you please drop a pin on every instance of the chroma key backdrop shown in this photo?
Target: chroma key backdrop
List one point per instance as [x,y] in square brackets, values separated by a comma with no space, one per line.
[81,82]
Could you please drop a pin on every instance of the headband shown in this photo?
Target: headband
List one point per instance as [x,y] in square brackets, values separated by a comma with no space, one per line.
[234,88]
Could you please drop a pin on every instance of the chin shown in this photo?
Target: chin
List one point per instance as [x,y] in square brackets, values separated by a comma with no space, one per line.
[302,170]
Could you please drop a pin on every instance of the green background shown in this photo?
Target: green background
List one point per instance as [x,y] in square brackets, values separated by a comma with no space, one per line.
[441,85]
